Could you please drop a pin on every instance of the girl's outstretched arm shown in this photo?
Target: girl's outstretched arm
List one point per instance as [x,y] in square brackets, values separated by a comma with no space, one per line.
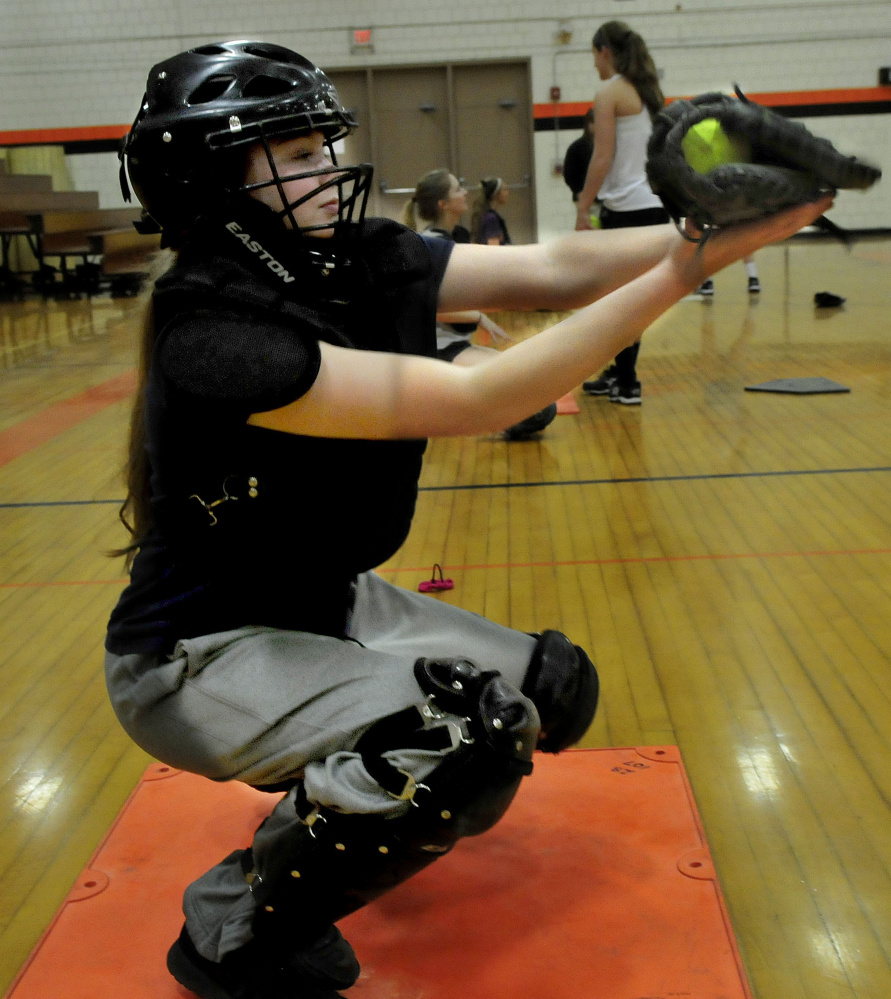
[565,273]
[364,394]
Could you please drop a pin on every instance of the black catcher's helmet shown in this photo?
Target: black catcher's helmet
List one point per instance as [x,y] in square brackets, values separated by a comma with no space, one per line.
[202,109]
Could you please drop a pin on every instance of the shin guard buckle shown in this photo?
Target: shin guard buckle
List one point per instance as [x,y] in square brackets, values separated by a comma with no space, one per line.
[411,788]
[310,820]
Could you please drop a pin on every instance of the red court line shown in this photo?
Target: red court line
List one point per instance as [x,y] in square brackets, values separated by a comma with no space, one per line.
[645,559]
[730,556]
[56,419]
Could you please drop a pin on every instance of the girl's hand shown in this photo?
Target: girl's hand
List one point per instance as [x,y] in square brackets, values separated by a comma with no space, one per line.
[696,263]
[583,220]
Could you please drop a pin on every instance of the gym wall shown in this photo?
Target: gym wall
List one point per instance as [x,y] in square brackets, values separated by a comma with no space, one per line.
[72,71]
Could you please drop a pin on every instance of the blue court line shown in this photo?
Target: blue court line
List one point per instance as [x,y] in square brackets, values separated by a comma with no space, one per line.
[658,478]
[109,502]
[559,482]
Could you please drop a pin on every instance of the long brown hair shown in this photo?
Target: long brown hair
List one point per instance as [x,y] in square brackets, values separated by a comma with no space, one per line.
[135,512]
[432,188]
[632,59]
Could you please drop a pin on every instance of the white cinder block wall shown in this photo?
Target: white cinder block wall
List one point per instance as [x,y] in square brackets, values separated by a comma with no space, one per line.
[79,63]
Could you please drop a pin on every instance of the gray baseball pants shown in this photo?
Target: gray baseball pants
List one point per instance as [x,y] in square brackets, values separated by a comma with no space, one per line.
[263,705]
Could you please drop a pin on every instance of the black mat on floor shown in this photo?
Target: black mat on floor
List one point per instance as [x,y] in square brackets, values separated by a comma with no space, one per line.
[799,386]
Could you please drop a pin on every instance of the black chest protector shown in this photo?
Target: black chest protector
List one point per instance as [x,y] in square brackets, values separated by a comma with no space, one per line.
[255,526]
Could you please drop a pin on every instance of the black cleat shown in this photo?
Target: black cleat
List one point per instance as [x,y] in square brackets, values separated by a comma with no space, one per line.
[250,973]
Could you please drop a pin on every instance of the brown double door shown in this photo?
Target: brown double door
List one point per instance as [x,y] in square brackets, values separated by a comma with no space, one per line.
[474,119]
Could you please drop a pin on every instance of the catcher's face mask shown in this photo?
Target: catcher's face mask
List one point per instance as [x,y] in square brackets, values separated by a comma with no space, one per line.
[205,108]
[299,180]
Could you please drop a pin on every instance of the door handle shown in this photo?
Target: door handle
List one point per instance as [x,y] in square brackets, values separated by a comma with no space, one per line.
[394,190]
[384,189]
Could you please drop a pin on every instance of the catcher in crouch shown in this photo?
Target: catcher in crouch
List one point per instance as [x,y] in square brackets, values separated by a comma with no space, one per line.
[288,385]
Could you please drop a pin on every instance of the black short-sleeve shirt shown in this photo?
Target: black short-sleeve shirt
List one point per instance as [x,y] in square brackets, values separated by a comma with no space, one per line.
[255,526]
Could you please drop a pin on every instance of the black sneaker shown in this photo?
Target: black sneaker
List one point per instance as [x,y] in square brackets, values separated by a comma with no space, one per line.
[601,385]
[250,973]
[707,288]
[627,395]
[754,286]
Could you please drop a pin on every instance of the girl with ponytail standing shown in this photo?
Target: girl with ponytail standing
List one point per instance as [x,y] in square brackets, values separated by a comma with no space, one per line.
[623,112]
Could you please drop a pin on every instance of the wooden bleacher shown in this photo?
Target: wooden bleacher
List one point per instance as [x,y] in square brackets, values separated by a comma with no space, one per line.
[96,248]
[15,183]
[48,201]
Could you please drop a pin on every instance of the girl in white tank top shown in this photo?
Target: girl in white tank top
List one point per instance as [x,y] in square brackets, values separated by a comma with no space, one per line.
[617,171]
[625,187]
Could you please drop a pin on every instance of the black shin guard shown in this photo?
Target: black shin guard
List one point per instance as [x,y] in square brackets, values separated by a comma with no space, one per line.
[337,862]
[562,683]
[528,428]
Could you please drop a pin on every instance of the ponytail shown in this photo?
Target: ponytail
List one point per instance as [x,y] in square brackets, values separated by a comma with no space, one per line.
[632,59]
[432,188]
[408,216]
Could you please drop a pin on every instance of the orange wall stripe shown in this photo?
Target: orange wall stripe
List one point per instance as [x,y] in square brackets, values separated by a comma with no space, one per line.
[55,136]
[561,109]
[558,109]
[861,95]
[56,419]
[794,98]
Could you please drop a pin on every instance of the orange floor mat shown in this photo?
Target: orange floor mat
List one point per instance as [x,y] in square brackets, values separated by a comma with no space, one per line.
[597,885]
[567,405]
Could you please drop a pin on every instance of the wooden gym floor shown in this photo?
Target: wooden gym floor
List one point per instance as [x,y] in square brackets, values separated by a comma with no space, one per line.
[725,557]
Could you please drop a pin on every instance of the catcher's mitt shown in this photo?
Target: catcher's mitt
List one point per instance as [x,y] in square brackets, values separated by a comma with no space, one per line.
[789,165]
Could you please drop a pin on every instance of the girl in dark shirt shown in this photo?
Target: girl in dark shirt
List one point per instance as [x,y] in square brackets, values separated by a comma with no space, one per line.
[486,224]
[440,200]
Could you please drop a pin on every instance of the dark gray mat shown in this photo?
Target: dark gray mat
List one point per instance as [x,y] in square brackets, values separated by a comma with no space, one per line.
[798,386]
